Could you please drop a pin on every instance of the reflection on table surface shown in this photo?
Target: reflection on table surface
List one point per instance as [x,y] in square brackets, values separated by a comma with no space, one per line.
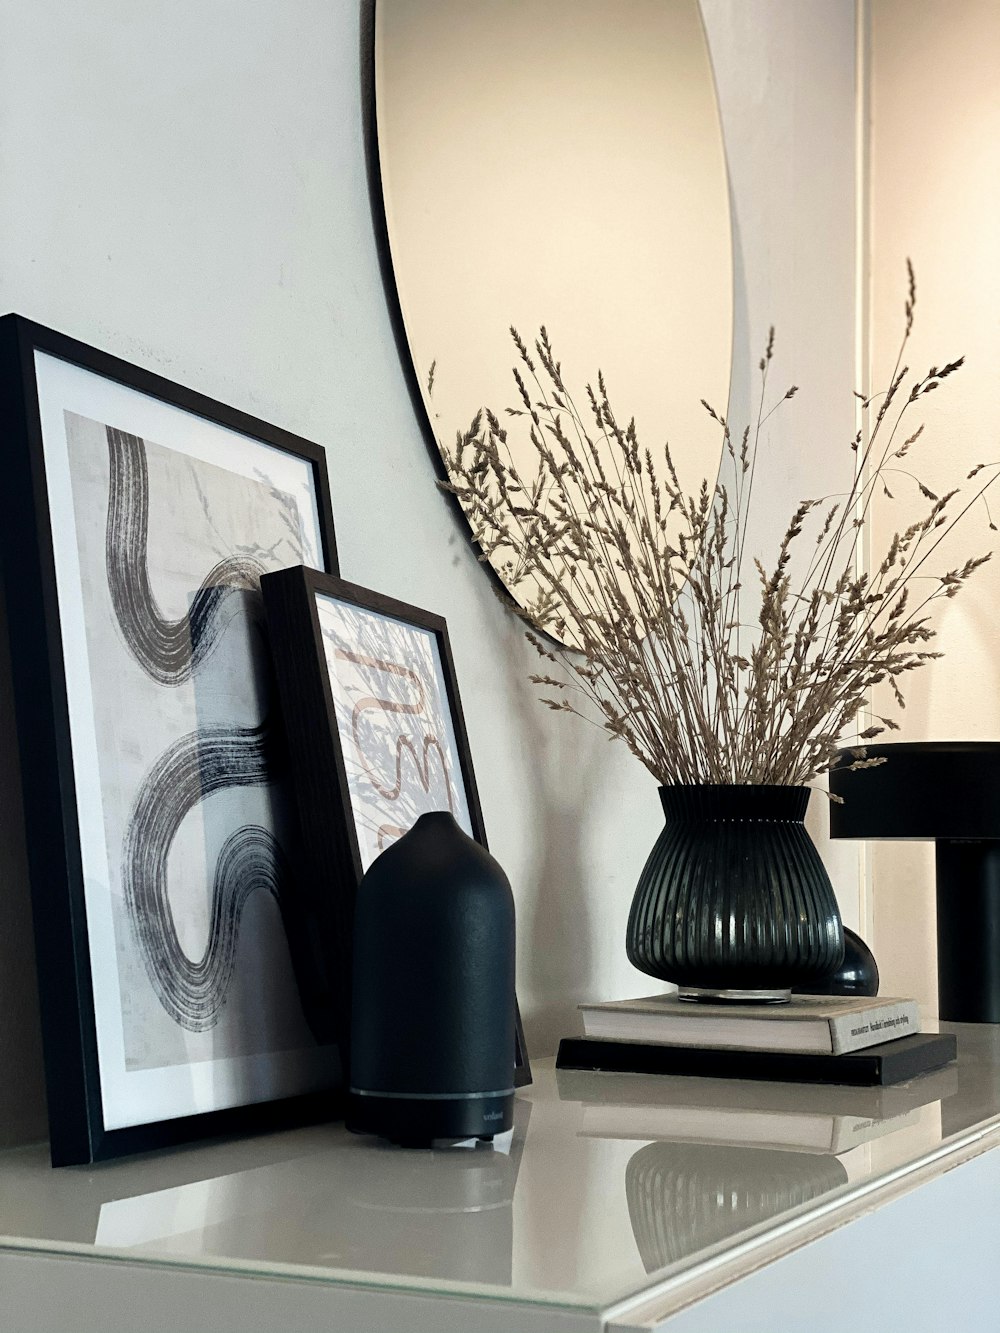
[703,1195]
[317,1197]
[605,1180]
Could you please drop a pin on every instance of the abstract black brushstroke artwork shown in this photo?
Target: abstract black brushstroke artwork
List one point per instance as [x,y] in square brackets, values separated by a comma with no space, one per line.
[169,651]
[193,991]
[169,974]
[180,709]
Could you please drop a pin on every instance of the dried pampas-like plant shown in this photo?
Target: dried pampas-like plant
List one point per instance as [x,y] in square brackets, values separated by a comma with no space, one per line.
[603,550]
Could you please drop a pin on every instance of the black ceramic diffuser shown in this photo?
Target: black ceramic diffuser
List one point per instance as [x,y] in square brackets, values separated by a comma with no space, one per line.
[432,1014]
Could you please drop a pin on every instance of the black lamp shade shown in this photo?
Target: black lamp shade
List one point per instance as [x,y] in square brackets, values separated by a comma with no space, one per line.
[925,789]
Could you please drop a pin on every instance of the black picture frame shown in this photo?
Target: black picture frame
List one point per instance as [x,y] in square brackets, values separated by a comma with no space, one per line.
[48,768]
[332,864]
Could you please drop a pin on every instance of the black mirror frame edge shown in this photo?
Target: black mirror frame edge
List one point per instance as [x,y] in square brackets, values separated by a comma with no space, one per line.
[394,309]
[48,779]
[328,839]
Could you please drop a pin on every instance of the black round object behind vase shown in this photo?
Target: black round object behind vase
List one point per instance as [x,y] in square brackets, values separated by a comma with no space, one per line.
[856,975]
[734,902]
[432,1015]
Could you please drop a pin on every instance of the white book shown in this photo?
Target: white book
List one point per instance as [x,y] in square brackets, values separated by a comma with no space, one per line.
[820,1024]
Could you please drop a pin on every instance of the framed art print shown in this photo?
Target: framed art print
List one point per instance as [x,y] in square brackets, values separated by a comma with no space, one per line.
[376,737]
[139,519]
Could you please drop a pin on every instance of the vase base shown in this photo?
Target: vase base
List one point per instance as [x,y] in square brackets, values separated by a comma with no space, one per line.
[729,995]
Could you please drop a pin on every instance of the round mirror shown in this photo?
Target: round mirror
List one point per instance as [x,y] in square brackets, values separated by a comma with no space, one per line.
[559,163]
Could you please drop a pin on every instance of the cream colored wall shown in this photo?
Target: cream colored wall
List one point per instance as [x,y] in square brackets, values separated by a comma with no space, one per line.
[184,185]
[785,72]
[935,196]
[588,234]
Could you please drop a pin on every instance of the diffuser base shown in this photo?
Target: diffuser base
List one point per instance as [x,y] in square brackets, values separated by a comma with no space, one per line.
[415,1120]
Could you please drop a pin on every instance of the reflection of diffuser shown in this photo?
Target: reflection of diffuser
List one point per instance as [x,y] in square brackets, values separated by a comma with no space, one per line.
[683,1198]
[444,1214]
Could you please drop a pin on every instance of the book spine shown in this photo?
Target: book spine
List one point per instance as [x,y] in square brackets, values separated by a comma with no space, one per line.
[851,1131]
[853,1032]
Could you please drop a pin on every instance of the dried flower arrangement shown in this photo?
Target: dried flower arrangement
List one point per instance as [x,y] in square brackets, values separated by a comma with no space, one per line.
[602,549]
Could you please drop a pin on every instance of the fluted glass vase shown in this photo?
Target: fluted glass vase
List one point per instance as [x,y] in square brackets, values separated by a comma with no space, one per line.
[734,902]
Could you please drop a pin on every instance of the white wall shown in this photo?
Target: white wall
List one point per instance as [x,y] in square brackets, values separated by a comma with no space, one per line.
[184,185]
[935,197]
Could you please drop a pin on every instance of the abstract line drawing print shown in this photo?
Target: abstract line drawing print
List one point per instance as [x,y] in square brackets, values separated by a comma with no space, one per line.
[171,551]
[397,737]
[417,707]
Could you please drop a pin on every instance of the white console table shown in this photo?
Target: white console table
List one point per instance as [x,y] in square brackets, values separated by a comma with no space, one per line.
[620,1203]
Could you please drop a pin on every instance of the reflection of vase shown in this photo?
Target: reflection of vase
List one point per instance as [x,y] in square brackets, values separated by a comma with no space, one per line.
[684,1197]
[734,899]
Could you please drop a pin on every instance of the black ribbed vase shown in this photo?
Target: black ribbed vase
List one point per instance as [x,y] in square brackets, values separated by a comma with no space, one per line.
[734,901]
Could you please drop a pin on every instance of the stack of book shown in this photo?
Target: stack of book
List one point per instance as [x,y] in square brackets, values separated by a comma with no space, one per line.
[812,1039]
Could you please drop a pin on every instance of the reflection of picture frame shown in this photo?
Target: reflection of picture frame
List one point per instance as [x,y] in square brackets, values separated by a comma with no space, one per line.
[376,736]
[139,517]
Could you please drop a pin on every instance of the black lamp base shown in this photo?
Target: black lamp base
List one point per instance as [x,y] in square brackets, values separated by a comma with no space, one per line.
[968,931]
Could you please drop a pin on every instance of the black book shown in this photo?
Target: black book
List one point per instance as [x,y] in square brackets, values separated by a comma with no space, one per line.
[891,1062]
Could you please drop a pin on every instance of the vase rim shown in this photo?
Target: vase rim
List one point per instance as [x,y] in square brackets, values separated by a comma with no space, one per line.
[737,801]
[735,786]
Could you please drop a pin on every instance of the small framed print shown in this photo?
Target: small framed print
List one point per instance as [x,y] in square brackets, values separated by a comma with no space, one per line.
[376,738]
[139,519]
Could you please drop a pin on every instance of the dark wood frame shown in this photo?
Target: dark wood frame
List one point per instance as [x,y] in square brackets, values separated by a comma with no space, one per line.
[73,1079]
[331,869]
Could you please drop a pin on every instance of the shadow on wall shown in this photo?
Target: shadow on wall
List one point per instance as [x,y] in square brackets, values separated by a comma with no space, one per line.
[22,1087]
[903,873]
[562,782]
[575,787]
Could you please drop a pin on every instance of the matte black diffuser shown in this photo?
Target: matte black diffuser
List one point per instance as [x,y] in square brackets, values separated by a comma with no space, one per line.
[432,1015]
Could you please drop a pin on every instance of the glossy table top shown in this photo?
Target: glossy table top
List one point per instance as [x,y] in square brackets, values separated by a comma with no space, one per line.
[609,1186]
